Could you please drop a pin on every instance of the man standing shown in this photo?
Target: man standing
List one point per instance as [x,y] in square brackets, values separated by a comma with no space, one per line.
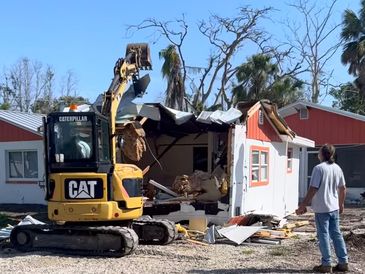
[327,193]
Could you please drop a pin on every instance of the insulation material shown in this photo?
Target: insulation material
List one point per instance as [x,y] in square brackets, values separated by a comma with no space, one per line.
[206,186]
[134,144]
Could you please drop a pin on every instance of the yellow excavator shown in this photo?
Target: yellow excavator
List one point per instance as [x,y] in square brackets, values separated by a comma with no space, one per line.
[94,202]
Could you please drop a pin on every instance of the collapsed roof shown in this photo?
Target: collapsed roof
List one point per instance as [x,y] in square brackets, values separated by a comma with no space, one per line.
[173,122]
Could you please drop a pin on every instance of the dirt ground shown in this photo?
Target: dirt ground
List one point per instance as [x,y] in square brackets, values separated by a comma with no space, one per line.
[295,255]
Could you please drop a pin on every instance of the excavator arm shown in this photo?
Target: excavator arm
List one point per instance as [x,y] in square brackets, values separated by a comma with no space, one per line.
[126,69]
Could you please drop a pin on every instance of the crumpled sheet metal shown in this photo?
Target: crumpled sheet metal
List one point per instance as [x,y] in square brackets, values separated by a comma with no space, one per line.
[28,220]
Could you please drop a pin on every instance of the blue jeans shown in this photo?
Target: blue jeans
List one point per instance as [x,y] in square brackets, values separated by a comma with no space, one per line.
[328,227]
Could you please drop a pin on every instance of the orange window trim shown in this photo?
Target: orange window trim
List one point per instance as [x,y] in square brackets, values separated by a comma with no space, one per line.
[260,182]
[289,169]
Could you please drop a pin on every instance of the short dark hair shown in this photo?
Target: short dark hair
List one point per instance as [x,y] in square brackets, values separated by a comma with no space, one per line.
[328,152]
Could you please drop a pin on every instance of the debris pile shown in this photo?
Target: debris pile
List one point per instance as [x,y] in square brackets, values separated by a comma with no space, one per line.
[260,229]
[355,239]
[134,144]
[6,231]
[200,186]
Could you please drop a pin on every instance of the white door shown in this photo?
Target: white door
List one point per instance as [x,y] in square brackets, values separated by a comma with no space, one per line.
[237,182]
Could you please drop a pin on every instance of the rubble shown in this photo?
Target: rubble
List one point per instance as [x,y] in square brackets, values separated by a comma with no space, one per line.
[27,220]
[238,234]
[163,188]
[257,229]
[202,185]
[356,239]
[5,232]
[133,145]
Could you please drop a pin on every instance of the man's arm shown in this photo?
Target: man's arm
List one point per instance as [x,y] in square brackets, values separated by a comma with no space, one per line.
[308,198]
[341,198]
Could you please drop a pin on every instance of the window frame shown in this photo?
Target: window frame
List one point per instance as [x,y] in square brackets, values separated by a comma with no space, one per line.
[301,111]
[289,159]
[21,179]
[260,182]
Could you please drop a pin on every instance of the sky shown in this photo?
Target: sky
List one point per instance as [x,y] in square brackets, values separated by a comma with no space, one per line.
[88,36]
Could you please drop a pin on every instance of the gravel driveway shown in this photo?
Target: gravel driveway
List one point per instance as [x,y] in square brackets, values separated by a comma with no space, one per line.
[296,255]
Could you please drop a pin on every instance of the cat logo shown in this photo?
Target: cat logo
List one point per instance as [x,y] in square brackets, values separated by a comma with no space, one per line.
[83,189]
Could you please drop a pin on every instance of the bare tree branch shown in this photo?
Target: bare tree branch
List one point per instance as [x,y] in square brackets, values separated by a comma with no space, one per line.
[312,45]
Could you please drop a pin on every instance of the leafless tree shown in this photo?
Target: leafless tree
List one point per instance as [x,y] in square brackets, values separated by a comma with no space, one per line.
[68,86]
[6,93]
[227,36]
[45,85]
[26,84]
[174,31]
[24,81]
[313,38]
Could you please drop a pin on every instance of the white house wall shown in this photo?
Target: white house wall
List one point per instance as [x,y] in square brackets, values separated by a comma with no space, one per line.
[280,196]
[238,176]
[18,193]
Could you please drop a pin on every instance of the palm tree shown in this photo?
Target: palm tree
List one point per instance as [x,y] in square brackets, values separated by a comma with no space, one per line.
[258,79]
[171,70]
[353,33]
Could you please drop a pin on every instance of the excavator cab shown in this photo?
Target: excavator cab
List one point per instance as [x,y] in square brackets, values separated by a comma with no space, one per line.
[78,141]
[81,172]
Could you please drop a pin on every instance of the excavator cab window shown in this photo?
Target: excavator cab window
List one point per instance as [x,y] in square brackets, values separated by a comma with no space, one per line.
[73,141]
[103,141]
[78,142]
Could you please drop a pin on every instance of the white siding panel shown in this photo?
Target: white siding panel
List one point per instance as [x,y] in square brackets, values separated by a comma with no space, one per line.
[280,196]
[21,193]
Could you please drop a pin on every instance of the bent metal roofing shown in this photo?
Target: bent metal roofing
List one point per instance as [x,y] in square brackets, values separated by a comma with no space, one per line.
[27,121]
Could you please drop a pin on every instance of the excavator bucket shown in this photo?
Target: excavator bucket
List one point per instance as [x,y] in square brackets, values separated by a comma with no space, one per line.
[140,55]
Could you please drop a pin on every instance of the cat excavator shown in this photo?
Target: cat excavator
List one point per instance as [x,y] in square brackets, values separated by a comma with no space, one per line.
[95,204]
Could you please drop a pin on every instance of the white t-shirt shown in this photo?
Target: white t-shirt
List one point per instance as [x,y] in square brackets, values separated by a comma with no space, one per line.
[327,178]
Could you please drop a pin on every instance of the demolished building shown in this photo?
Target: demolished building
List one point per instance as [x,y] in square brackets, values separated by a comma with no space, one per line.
[218,164]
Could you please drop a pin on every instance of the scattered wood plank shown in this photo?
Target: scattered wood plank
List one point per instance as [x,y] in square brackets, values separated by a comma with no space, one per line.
[196,242]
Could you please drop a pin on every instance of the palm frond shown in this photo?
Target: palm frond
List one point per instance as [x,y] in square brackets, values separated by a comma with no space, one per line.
[352,26]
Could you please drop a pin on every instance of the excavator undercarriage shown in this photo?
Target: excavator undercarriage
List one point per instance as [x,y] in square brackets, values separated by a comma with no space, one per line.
[110,241]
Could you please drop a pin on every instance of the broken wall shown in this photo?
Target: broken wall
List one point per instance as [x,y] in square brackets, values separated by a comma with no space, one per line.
[187,153]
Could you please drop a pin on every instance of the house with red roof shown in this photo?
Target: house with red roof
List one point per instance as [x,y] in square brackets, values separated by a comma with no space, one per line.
[21,158]
[343,129]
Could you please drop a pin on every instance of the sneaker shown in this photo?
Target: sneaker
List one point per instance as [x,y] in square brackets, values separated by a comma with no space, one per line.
[323,269]
[341,268]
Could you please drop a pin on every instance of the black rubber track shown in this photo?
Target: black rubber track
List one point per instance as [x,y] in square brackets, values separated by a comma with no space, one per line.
[169,231]
[128,239]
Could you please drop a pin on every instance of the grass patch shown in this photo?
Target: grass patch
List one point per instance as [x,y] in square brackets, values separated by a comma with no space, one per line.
[279,251]
[247,251]
[4,220]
